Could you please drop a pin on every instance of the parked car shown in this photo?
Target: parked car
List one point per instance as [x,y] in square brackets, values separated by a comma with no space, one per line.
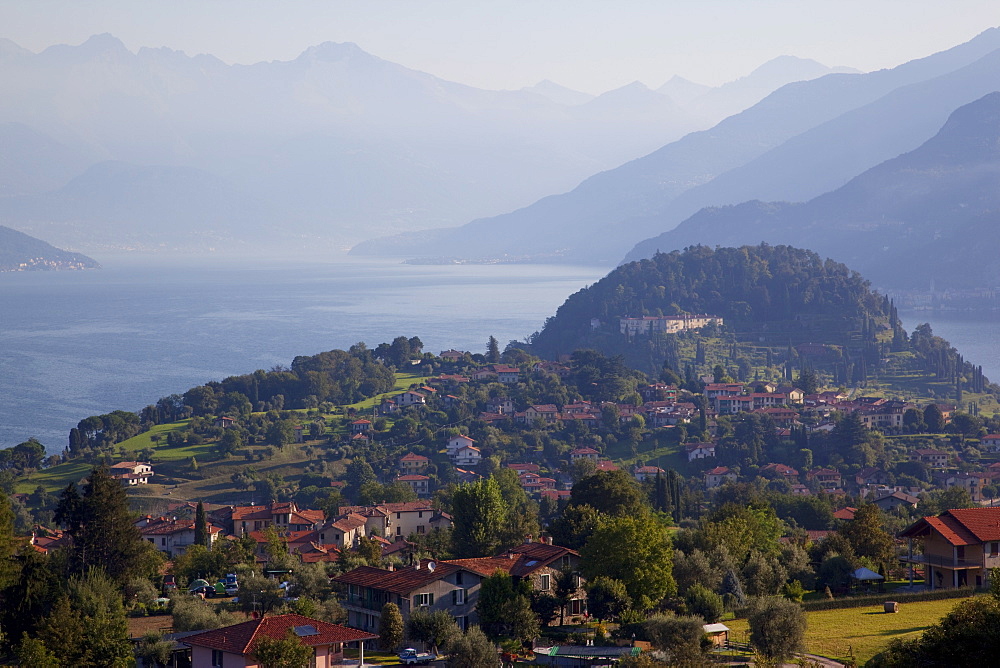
[411,657]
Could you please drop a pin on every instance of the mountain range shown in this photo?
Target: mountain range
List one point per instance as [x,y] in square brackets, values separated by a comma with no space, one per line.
[928,217]
[802,140]
[110,148]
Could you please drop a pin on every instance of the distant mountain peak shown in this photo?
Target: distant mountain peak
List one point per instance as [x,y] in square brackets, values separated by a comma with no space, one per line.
[785,67]
[104,43]
[336,51]
[97,46]
[558,93]
[635,85]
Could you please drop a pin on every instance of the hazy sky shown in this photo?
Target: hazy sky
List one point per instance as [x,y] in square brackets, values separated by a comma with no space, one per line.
[590,45]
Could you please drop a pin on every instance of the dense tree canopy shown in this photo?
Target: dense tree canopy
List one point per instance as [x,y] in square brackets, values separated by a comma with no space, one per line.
[746,286]
[635,550]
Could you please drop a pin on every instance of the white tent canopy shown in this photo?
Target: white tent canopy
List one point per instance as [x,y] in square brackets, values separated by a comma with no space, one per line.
[866,574]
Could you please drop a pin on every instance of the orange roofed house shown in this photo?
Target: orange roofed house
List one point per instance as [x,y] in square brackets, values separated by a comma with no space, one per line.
[960,546]
[233,646]
[453,585]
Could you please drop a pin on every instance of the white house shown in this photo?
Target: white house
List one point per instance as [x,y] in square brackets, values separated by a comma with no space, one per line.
[172,536]
[468,455]
[456,442]
[699,451]
[132,473]
[411,398]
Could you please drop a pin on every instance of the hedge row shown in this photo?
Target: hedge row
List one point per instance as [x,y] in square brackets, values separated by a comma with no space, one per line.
[879,599]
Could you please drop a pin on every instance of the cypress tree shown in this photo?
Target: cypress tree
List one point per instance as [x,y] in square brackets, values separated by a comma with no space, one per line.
[200,526]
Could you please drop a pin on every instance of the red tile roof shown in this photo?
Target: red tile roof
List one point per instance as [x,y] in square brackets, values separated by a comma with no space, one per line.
[960,526]
[485,565]
[400,581]
[242,638]
[408,506]
[307,516]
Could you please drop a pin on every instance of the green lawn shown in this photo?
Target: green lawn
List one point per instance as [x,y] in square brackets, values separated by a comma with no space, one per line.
[214,477]
[863,631]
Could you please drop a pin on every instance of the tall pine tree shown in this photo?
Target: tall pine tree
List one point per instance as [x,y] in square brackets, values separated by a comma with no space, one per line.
[102,530]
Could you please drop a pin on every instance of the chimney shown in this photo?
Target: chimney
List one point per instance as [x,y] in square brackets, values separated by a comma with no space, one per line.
[528,539]
[391,568]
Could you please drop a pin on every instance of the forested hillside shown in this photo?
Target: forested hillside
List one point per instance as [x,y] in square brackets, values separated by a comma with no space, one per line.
[773,295]
[783,309]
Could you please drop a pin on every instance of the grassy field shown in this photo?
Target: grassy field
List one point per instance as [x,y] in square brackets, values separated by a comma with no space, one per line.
[864,631]
[212,482]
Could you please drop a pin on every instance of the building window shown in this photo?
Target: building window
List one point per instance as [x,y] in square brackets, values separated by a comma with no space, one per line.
[399,531]
[463,622]
[994,549]
[216,658]
[458,575]
[458,597]
[420,514]
[545,582]
[423,600]
[420,528]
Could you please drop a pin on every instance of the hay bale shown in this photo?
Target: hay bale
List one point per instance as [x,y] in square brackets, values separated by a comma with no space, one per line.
[891,606]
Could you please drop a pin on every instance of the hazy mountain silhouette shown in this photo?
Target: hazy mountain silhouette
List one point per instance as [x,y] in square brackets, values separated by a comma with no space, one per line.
[861,119]
[342,144]
[683,91]
[735,96]
[336,145]
[116,205]
[932,214]
[21,252]
[558,94]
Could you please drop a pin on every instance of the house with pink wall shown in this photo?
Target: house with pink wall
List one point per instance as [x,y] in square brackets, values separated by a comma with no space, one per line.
[233,646]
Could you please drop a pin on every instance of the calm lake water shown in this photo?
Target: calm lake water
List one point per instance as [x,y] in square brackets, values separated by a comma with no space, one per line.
[74,344]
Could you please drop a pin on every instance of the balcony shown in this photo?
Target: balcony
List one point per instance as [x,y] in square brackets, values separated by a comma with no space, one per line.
[362,602]
[944,562]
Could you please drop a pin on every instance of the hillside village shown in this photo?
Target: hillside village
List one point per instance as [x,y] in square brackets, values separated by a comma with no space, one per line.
[757,459]
[551,441]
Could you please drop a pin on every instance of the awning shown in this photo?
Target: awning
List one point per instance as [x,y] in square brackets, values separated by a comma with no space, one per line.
[866,574]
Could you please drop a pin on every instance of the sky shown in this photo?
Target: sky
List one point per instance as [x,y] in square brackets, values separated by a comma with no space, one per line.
[587,45]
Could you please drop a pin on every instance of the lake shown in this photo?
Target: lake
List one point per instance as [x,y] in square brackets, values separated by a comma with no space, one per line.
[75,344]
